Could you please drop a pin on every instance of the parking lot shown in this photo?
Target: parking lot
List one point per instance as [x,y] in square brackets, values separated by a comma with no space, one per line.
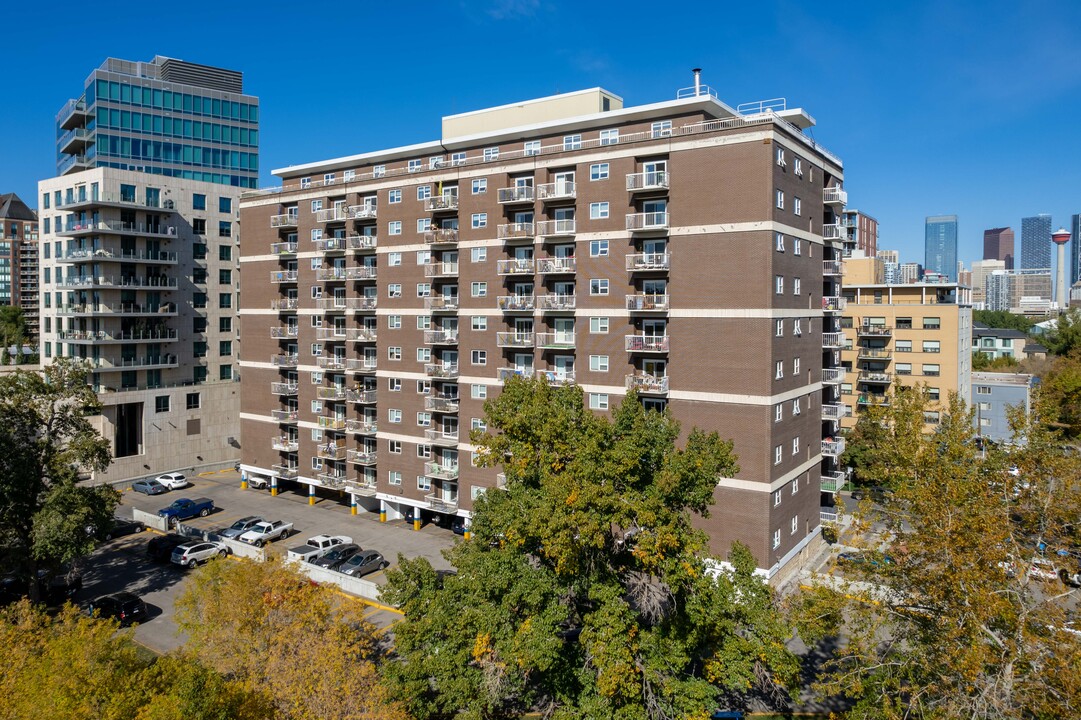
[122,563]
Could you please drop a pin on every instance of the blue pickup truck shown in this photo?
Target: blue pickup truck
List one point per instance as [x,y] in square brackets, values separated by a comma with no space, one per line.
[185,508]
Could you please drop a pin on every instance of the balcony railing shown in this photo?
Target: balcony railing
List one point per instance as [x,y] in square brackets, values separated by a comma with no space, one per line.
[361,303]
[833,376]
[101,336]
[283,276]
[442,504]
[443,371]
[107,254]
[283,221]
[330,393]
[119,281]
[365,211]
[515,303]
[833,340]
[505,374]
[334,214]
[833,303]
[361,365]
[442,471]
[284,304]
[441,404]
[284,416]
[331,362]
[284,333]
[330,451]
[868,353]
[441,236]
[441,203]
[833,447]
[330,245]
[331,480]
[162,360]
[647,221]
[519,194]
[869,330]
[656,180]
[833,232]
[514,339]
[646,343]
[362,334]
[647,384]
[556,265]
[834,196]
[365,488]
[516,231]
[441,302]
[555,302]
[443,438]
[361,242]
[555,340]
[561,190]
[441,337]
[284,388]
[284,361]
[362,457]
[363,397]
[874,376]
[516,266]
[441,270]
[833,482]
[872,399]
[286,472]
[331,422]
[284,248]
[162,310]
[362,427]
[832,412]
[831,267]
[647,302]
[331,333]
[364,272]
[640,262]
[284,443]
[556,378]
[556,228]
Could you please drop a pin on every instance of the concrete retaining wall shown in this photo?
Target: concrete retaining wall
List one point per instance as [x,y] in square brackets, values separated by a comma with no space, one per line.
[353,586]
[151,520]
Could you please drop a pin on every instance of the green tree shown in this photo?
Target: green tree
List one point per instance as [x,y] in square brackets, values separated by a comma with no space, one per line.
[13,331]
[47,438]
[1003,319]
[1060,393]
[942,620]
[983,362]
[1065,337]
[586,591]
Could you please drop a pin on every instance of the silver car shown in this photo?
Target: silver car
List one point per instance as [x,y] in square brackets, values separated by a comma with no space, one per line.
[193,553]
[240,527]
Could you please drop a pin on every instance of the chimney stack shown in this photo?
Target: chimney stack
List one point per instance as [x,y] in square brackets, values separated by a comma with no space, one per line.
[697,81]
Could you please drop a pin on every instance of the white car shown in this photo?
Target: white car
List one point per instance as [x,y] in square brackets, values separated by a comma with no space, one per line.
[173,481]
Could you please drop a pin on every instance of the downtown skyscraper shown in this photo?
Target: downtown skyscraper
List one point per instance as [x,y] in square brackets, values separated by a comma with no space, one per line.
[1036,242]
[940,245]
[998,245]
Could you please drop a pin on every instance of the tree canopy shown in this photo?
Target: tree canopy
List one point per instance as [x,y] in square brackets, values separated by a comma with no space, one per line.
[1065,337]
[586,591]
[14,331]
[1003,319]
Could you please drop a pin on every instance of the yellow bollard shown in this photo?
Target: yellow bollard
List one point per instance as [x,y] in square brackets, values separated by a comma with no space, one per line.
[416,523]
[243,484]
[467,534]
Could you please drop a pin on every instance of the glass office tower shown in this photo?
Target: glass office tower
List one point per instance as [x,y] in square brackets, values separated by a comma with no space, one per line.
[940,245]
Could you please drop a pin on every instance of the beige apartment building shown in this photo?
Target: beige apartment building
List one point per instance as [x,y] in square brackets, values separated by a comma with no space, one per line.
[903,335]
[675,248]
[139,276]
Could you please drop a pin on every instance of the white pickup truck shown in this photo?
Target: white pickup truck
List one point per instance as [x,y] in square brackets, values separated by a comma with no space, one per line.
[316,547]
[264,532]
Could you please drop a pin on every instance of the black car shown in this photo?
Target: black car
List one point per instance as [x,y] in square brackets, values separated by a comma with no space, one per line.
[125,607]
[53,588]
[364,562]
[120,526]
[161,548]
[333,559]
[457,526]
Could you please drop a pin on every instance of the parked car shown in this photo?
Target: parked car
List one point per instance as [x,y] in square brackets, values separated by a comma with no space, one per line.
[877,494]
[364,562]
[126,607]
[149,487]
[263,532]
[333,559]
[185,508]
[119,527]
[861,557]
[161,548]
[54,588]
[316,546]
[173,481]
[1043,569]
[240,527]
[193,553]
[258,482]
[457,526]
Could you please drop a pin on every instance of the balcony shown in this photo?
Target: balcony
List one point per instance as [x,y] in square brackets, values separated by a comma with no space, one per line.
[834,196]
[833,303]
[647,181]
[107,254]
[334,214]
[285,472]
[285,304]
[441,503]
[330,451]
[118,310]
[284,388]
[442,438]
[361,242]
[876,377]
[832,268]
[647,262]
[367,488]
[330,245]
[365,211]
[331,480]
[647,384]
[833,482]
[833,376]
[284,416]
[361,365]
[647,222]
[833,412]
[441,270]
[330,393]
[562,190]
[868,330]
[366,458]
[442,371]
[331,362]
[441,303]
[441,236]
[440,337]
[514,339]
[143,362]
[441,404]
[647,302]
[284,443]
[283,248]
[557,265]
[73,114]
[330,334]
[441,471]
[833,340]
[289,220]
[515,303]
[646,343]
[362,334]
[518,194]
[834,232]
[99,337]
[73,162]
[361,397]
[833,447]
[556,340]
[360,304]
[516,231]
[331,422]
[505,374]
[279,277]
[866,399]
[517,266]
[557,378]
[441,203]
[556,303]
[334,274]
[362,427]
[106,199]
[284,361]
[870,353]
[556,228]
[284,333]
[120,281]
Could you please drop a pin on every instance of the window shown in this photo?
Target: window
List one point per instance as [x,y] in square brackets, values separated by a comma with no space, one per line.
[479,254]
[932,370]
[491,153]
[780,242]
[532,147]
[935,394]
[598,248]
[795,525]
[394,259]
[457,159]
[394,416]
[778,453]
[424,387]
[424,419]
[394,290]
[797,167]
[225,229]
[931,416]
[797,246]
[932,323]
[479,323]
[161,403]
[778,328]
[198,201]
[394,353]
[424,225]
[480,186]
[394,196]
[778,284]
[423,483]
[225,252]
[779,370]
[598,286]
[795,485]
[394,384]
[780,157]
[478,357]
[661,128]
[225,372]
[479,289]
[610,137]
[780,200]
[225,277]
[394,227]
[795,366]
[394,322]
[598,171]
[572,142]
[349,175]
[797,206]
[394,478]
[225,300]
[598,210]
[225,348]
[904,323]
[394,447]
[778,412]
[317,234]
[192,401]
[414,166]
[795,286]
[424,192]
[424,290]
[317,205]
[424,322]
[424,355]
[795,445]
[903,368]
[795,407]
[598,326]
[776,498]
[317,349]
[902,346]
[198,300]
[983,389]
[598,401]
[932,346]
[479,220]
[478,392]
[598,363]
[305,183]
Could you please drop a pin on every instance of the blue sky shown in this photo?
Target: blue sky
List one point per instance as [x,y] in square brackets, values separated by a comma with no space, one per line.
[935,107]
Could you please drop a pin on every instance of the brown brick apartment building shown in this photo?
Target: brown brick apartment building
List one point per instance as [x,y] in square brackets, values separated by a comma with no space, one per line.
[676,248]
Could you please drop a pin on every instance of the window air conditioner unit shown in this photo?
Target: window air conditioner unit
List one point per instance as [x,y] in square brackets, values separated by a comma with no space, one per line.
[667,132]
